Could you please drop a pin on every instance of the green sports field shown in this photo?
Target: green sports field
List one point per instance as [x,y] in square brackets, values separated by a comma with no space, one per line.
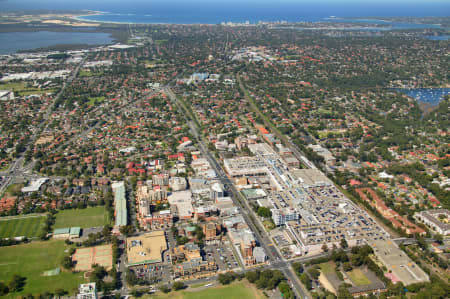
[28,226]
[358,278]
[32,260]
[238,290]
[84,218]
[328,267]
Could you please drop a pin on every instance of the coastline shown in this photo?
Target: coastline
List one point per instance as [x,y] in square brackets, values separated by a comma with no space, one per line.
[80,18]
[386,24]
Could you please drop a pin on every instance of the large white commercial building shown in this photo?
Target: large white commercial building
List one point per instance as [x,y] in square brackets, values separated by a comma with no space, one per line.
[281,216]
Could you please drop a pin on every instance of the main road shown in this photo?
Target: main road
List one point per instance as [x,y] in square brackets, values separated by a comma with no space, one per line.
[274,257]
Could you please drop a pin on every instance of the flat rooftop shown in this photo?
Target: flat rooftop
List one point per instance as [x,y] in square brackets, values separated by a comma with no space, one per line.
[311,177]
[398,262]
[146,249]
[120,203]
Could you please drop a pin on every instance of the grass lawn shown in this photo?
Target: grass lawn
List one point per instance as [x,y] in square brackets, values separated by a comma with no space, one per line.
[85,73]
[95,100]
[23,89]
[358,277]
[15,86]
[36,91]
[14,188]
[84,218]
[198,285]
[323,134]
[268,225]
[238,290]
[29,226]
[31,260]
[327,267]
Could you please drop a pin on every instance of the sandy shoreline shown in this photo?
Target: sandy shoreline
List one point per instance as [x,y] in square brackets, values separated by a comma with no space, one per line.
[81,19]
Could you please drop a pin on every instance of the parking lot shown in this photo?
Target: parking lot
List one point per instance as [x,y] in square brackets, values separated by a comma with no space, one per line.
[222,256]
[153,273]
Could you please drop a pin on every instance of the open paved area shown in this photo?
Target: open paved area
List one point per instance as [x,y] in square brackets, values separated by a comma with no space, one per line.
[397,262]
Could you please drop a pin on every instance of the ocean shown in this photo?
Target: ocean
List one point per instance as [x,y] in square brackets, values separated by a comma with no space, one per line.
[215,12]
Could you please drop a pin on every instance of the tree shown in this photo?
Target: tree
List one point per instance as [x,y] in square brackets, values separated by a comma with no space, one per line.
[131,277]
[106,231]
[344,243]
[264,212]
[165,289]
[16,283]
[262,283]
[314,273]
[285,290]
[226,278]
[252,276]
[60,292]
[99,272]
[3,289]
[343,293]
[43,235]
[298,268]
[347,266]
[182,240]
[306,281]
[127,230]
[357,259]
[324,248]
[66,262]
[178,285]
[136,293]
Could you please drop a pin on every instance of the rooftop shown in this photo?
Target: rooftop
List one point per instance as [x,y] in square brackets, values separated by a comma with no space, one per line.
[146,249]
[120,203]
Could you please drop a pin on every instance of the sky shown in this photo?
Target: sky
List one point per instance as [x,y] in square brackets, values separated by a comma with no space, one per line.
[73,2]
